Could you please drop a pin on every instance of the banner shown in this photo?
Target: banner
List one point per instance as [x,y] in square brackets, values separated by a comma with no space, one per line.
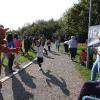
[93,35]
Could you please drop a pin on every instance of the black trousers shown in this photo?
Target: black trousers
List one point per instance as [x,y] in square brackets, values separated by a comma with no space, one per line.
[66,47]
[10,61]
[49,48]
[73,52]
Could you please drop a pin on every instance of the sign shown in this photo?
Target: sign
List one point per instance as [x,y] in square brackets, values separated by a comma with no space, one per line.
[93,35]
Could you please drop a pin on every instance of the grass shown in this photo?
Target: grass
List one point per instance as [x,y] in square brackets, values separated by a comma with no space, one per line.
[24,58]
[83,70]
[29,57]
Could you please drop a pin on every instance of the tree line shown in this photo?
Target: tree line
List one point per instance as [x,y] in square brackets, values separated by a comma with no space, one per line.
[74,21]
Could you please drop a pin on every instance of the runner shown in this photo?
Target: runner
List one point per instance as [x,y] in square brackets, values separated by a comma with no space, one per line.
[40,49]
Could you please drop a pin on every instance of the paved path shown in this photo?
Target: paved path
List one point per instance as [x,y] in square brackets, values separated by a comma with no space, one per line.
[57,81]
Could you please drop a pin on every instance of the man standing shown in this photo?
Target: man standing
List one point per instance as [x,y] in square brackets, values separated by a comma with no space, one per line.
[72,47]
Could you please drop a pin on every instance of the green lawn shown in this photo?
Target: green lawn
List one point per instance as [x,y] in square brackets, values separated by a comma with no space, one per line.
[24,58]
[84,71]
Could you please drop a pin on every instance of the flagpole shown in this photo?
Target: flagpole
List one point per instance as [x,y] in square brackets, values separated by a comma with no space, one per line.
[90,10]
[89,24]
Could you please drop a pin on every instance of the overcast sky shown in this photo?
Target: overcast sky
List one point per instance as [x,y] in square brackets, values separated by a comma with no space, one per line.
[15,13]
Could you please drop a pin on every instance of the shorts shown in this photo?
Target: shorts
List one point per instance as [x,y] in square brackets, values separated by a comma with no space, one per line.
[39,59]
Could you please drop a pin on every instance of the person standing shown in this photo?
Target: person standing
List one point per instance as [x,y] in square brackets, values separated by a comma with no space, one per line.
[73,47]
[26,45]
[18,44]
[96,65]
[3,48]
[49,44]
[11,56]
[57,43]
[83,57]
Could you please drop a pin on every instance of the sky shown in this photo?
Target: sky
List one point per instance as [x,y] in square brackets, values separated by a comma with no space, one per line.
[17,13]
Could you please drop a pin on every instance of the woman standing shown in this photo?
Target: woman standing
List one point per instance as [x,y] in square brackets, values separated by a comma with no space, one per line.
[96,65]
[72,47]
[2,48]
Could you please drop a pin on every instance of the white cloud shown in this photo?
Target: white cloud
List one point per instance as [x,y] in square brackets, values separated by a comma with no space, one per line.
[17,12]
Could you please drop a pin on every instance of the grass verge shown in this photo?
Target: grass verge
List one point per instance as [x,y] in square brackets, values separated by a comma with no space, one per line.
[24,58]
[83,70]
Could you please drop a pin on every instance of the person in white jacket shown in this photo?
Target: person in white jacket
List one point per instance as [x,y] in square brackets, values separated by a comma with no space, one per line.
[73,47]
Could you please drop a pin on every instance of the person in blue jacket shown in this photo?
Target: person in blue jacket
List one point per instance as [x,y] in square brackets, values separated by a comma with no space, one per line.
[11,56]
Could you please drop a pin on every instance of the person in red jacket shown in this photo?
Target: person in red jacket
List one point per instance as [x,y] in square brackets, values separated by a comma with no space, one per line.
[18,44]
[83,57]
[2,48]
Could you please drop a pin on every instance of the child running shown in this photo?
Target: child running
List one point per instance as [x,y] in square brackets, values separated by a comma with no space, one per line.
[40,48]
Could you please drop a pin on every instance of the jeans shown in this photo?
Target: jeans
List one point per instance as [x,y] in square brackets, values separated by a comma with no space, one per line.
[89,98]
[57,47]
[95,70]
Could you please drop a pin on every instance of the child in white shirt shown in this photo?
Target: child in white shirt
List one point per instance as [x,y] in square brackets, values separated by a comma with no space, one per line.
[40,49]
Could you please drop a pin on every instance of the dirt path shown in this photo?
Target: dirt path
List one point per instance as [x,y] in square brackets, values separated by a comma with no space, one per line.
[57,81]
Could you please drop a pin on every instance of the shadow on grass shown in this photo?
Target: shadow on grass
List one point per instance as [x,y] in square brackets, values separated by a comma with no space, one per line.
[76,61]
[29,57]
[54,80]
